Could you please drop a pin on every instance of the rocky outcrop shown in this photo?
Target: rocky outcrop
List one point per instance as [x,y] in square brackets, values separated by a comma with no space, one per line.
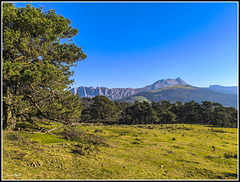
[114,93]
[165,83]
[119,93]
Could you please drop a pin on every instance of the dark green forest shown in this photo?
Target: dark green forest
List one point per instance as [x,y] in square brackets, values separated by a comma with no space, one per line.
[102,109]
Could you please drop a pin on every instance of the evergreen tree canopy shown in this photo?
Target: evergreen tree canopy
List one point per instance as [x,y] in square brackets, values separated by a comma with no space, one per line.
[103,109]
[36,66]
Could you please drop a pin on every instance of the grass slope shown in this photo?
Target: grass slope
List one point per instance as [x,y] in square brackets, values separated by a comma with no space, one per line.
[140,98]
[133,152]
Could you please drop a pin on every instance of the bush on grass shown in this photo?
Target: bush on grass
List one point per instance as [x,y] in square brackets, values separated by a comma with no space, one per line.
[230,155]
[78,135]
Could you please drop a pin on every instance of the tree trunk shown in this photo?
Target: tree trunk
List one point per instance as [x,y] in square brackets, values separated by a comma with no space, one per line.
[9,116]
[5,115]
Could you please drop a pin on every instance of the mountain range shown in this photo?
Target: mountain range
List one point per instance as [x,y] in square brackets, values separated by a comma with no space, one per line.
[165,89]
[119,93]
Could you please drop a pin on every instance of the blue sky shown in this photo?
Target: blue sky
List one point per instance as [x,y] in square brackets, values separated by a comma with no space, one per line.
[135,44]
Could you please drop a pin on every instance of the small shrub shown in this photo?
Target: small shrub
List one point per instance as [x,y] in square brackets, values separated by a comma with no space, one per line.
[230,155]
[35,164]
[219,131]
[95,140]
[82,149]
[176,147]
[139,140]
[74,134]
[13,136]
[149,127]
[98,130]
[135,142]
[173,138]
[122,133]
[79,151]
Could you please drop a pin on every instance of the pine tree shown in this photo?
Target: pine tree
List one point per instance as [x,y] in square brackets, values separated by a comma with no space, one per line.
[103,110]
[36,66]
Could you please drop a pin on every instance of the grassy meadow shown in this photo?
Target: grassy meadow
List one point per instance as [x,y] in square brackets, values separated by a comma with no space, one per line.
[89,151]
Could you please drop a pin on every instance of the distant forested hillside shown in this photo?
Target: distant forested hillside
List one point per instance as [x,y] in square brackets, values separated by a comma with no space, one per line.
[222,89]
[183,93]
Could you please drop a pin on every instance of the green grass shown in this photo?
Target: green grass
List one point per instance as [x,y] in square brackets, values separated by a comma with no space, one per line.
[140,98]
[174,87]
[133,152]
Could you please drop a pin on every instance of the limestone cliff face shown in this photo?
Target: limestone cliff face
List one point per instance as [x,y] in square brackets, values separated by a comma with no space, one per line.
[113,93]
[119,93]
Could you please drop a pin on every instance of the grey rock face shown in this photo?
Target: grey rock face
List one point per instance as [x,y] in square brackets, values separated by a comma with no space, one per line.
[165,83]
[119,93]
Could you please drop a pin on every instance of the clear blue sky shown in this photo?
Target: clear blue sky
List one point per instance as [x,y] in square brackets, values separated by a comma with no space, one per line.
[135,44]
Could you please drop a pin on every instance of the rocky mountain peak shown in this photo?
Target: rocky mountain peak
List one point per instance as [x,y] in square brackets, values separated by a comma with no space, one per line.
[166,83]
[180,81]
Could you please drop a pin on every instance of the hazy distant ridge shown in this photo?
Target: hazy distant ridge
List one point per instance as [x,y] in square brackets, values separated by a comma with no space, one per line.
[223,89]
